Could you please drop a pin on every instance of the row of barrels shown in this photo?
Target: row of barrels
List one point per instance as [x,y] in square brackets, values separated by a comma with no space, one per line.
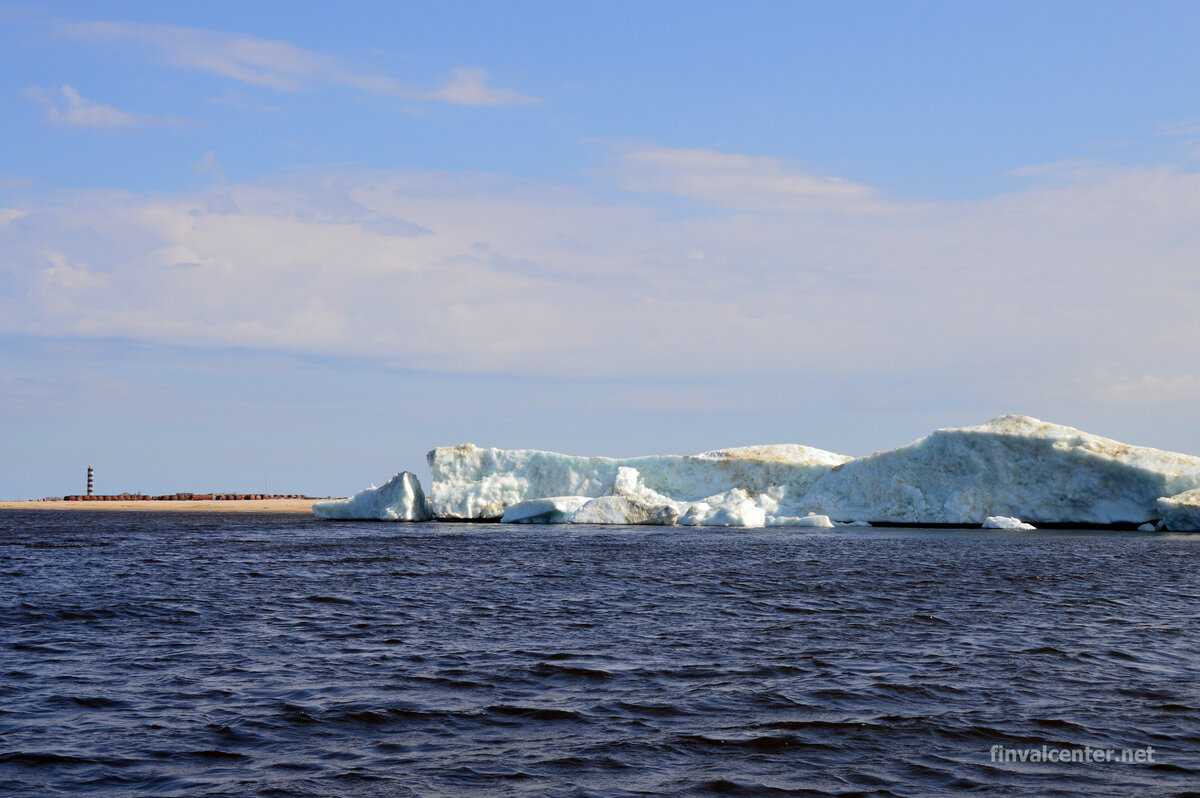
[141,497]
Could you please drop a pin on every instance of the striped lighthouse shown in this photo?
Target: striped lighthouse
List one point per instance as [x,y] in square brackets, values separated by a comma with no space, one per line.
[91,480]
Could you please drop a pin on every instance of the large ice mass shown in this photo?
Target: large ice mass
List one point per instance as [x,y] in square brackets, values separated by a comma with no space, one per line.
[1013,467]
[398,499]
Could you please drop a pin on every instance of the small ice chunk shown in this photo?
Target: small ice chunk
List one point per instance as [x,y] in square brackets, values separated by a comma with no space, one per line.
[812,520]
[1006,522]
[732,508]
[1147,528]
[625,511]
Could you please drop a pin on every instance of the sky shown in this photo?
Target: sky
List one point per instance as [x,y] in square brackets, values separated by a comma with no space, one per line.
[269,247]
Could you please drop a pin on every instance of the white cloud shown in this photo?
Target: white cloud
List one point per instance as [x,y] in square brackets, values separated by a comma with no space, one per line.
[67,107]
[282,66]
[450,273]
[11,215]
[740,181]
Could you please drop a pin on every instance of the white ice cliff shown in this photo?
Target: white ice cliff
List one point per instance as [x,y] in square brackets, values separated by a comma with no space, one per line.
[473,482]
[1181,513]
[1012,467]
[398,499]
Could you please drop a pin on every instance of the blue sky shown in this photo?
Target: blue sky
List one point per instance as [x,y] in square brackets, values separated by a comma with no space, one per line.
[345,235]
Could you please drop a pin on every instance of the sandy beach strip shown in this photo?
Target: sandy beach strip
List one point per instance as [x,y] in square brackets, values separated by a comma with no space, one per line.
[183,506]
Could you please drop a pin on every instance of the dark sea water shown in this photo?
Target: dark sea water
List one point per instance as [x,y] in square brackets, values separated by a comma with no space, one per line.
[182,655]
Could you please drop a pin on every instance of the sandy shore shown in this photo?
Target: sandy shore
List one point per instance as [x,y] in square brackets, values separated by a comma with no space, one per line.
[248,506]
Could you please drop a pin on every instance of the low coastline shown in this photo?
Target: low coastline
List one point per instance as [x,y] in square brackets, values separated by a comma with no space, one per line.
[288,506]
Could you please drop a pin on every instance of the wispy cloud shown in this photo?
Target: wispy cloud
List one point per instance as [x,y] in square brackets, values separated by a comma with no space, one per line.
[1183,129]
[282,66]
[66,106]
[468,86]
[736,180]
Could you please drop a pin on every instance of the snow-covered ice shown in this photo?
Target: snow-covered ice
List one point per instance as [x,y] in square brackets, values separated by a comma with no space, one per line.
[1006,522]
[398,499]
[1181,513]
[1012,465]
[552,510]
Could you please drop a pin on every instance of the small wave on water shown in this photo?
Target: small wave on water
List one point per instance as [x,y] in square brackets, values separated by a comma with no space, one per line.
[269,656]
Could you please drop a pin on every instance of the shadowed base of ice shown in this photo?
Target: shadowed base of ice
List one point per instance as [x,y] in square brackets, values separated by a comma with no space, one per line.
[1006,522]
[553,510]
[398,499]
[1181,513]
[814,520]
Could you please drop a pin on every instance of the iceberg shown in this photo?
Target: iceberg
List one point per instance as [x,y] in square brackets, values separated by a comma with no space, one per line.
[398,499]
[552,510]
[1006,522]
[1181,513]
[471,482]
[1010,466]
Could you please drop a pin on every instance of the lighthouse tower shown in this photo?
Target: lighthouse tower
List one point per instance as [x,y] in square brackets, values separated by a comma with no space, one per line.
[91,480]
